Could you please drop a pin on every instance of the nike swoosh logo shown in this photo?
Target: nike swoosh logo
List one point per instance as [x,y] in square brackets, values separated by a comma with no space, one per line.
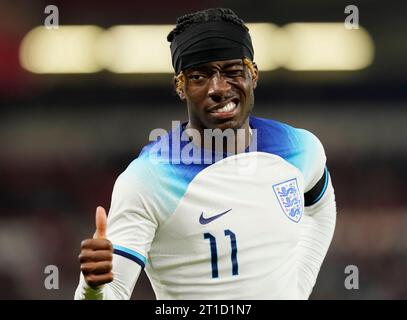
[203,220]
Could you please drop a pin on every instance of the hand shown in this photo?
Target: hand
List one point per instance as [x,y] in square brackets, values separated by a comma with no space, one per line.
[97,254]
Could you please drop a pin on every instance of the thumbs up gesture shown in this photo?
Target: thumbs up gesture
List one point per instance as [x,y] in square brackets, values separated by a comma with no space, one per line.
[101,222]
[96,254]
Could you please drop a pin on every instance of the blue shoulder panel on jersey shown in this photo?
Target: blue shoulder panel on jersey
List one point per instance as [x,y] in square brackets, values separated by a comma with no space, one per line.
[161,170]
[130,254]
[160,167]
[297,146]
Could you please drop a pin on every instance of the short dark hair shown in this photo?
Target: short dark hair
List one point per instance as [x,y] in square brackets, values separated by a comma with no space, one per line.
[212,14]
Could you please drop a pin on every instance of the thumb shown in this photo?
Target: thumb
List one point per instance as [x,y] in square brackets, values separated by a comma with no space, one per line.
[101,221]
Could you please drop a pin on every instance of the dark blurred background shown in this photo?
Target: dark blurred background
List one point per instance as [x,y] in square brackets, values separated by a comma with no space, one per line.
[65,137]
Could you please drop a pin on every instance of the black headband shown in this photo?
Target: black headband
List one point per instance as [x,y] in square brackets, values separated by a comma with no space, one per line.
[210,41]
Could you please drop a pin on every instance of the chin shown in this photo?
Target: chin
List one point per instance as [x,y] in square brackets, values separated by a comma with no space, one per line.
[229,124]
[234,123]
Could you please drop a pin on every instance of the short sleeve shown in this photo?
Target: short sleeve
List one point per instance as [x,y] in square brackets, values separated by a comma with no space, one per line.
[312,158]
[131,224]
[313,166]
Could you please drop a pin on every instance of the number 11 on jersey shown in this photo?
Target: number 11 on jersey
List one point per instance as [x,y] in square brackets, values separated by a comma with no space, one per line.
[214,253]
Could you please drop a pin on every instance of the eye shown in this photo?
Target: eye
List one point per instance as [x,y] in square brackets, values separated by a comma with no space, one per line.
[196,76]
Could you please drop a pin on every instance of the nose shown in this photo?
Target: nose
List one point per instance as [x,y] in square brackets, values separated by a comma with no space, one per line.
[218,88]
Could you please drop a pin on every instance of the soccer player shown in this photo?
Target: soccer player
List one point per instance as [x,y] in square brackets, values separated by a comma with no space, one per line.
[210,229]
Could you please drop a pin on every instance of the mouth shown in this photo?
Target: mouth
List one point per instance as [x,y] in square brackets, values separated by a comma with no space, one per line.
[225,110]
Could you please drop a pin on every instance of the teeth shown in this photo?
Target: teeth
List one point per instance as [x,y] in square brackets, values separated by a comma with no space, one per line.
[229,107]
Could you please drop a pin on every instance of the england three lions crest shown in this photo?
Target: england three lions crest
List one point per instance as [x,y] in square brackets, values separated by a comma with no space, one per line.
[289,197]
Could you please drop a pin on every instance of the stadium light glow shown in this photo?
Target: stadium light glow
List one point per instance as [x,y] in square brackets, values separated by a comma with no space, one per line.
[68,49]
[144,49]
[136,49]
[327,46]
[270,45]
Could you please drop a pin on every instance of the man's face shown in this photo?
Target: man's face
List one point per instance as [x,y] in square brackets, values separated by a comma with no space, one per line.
[219,94]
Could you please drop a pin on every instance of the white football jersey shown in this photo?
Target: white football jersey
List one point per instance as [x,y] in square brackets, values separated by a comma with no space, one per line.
[226,230]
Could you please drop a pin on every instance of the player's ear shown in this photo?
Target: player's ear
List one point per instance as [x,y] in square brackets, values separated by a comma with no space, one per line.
[255,76]
[179,86]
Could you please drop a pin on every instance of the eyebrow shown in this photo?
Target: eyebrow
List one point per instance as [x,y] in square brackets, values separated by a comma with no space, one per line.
[232,64]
